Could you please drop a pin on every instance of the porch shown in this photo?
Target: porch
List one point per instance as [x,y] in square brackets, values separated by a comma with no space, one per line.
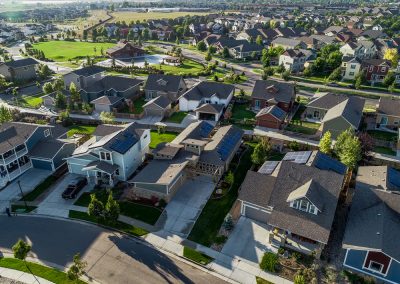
[101,173]
[279,238]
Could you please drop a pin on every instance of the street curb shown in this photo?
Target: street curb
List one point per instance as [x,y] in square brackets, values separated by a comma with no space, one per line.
[133,237]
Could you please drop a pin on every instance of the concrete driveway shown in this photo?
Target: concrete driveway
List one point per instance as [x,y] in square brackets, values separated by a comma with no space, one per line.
[54,204]
[29,180]
[249,240]
[186,206]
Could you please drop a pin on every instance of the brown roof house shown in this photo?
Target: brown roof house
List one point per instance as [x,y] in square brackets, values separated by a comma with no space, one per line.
[271,117]
[296,198]
[271,92]
[125,50]
[388,114]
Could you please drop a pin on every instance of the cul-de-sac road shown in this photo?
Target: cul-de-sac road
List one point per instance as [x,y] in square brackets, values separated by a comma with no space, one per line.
[111,257]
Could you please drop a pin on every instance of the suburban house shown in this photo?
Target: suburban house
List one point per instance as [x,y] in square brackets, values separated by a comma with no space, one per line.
[193,152]
[388,114]
[270,92]
[362,49]
[246,50]
[319,105]
[112,154]
[293,60]
[170,86]
[372,228]
[111,86]
[106,103]
[24,146]
[375,70]
[271,117]
[207,99]
[351,66]
[83,77]
[159,106]
[288,43]
[19,70]
[296,198]
[125,50]
[345,115]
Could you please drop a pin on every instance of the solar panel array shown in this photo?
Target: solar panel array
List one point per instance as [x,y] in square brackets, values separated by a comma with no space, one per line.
[324,162]
[227,145]
[123,143]
[268,167]
[299,157]
[205,129]
[278,112]
[394,177]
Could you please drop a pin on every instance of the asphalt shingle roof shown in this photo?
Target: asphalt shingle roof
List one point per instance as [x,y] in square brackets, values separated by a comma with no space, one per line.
[172,83]
[207,89]
[257,188]
[88,71]
[389,106]
[271,89]
[21,63]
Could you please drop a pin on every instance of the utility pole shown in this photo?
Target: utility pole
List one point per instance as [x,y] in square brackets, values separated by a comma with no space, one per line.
[22,193]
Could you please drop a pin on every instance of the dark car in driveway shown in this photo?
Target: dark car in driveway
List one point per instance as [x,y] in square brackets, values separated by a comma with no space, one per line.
[74,187]
[333,84]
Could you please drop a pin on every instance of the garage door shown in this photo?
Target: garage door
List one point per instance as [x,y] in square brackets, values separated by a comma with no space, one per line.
[76,169]
[40,164]
[255,214]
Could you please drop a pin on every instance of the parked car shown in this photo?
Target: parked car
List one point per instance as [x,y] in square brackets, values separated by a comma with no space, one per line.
[333,84]
[74,187]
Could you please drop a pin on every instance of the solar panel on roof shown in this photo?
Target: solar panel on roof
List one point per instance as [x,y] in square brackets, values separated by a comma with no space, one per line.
[300,157]
[227,145]
[277,112]
[205,129]
[394,177]
[122,146]
[324,162]
[268,167]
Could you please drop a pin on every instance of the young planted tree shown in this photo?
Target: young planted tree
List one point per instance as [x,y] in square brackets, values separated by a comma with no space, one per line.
[230,178]
[336,75]
[259,40]
[261,152]
[5,114]
[61,100]
[21,249]
[75,96]
[77,269]
[225,52]
[48,88]
[112,210]
[348,148]
[107,117]
[325,144]
[96,208]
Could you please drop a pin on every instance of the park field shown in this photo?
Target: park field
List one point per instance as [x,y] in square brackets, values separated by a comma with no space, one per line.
[141,16]
[63,51]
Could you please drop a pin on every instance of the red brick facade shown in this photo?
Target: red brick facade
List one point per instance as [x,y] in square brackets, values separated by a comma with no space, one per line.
[269,121]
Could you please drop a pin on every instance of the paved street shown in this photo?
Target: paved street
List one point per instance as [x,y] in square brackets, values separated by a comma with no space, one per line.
[111,257]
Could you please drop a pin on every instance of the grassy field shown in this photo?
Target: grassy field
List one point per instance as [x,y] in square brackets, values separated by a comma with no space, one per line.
[128,16]
[187,67]
[48,273]
[177,117]
[62,51]
[81,129]
[196,256]
[159,138]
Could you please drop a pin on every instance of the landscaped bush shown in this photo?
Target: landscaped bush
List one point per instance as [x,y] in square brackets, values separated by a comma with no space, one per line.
[269,262]
[221,239]
[299,279]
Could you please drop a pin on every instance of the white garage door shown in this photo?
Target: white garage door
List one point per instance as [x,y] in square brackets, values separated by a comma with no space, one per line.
[255,214]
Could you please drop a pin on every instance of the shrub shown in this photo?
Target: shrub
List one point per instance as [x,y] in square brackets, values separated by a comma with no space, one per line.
[299,279]
[269,262]
[281,250]
[219,240]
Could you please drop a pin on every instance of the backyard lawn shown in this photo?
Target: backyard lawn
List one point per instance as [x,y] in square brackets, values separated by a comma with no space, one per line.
[383,135]
[48,273]
[62,51]
[162,137]
[304,127]
[241,111]
[177,117]
[33,101]
[81,129]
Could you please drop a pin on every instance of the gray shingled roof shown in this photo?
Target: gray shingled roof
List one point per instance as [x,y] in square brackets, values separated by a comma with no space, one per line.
[88,71]
[106,129]
[106,100]
[172,83]
[101,166]
[21,62]
[327,100]
[286,42]
[350,109]
[389,106]
[206,89]
[274,110]
[118,83]
[210,108]
[46,149]
[271,89]
[310,190]
[374,222]
[160,101]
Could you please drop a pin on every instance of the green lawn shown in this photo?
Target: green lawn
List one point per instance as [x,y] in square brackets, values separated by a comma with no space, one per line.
[308,128]
[241,111]
[64,50]
[211,218]
[260,280]
[384,150]
[196,256]
[137,211]
[382,135]
[187,67]
[40,189]
[119,225]
[138,105]
[159,138]
[177,117]
[33,101]
[18,207]
[48,273]
[81,129]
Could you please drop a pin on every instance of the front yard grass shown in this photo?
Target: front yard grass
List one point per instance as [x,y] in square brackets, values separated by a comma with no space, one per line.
[52,274]
[18,207]
[260,280]
[382,135]
[33,101]
[384,150]
[196,256]
[177,117]
[119,225]
[160,138]
[211,218]
[40,189]
[81,129]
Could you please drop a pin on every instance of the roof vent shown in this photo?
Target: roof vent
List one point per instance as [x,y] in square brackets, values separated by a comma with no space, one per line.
[378,233]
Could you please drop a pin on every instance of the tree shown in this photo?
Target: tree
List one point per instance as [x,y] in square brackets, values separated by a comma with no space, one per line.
[21,249]
[389,79]
[96,208]
[107,117]
[259,40]
[58,84]
[44,71]
[360,79]
[225,52]
[201,46]
[48,88]
[336,75]
[286,75]
[77,269]
[111,212]
[261,152]
[61,100]
[5,114]
[392,87]
[307,71]
[325,144]
[15,94]
[146,34]
[75,96]
[208,57]
[348,148]
[392,55]
[367,144]
[229,178]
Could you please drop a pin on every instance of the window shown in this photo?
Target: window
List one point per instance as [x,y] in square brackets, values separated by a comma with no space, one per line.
[316,114]
[108,156]
[303,205]
[375,266]
[383,69]
[352,66]
[351,74]
[102,156]
[294,204]
[312,209]
[46,132]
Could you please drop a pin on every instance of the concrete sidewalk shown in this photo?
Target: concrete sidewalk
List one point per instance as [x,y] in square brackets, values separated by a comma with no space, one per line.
[22,276]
